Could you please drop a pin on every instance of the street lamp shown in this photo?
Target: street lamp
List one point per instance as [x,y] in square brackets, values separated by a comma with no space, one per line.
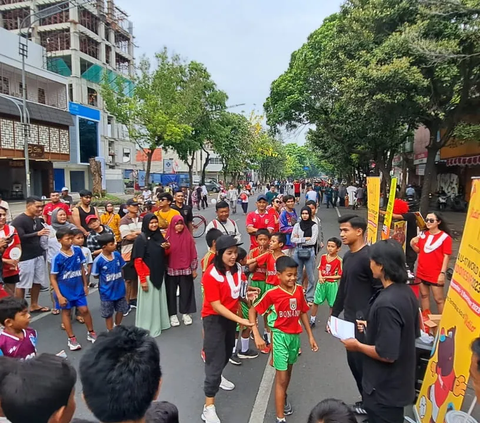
[23,52]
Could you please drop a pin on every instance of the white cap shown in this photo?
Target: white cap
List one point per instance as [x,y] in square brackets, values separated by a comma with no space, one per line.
[64,189]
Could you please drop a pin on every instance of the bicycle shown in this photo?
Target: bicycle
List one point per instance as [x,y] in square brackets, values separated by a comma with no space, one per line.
[199,224]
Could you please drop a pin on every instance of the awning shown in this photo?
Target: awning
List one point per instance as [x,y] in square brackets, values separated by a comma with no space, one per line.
[38,112]
[464,161]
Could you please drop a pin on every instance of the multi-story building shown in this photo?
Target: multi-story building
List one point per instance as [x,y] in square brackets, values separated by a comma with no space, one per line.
[48,136]
[87,41]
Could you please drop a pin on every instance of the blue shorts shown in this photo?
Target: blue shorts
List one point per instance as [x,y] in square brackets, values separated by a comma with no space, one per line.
[109,307]
[79,302]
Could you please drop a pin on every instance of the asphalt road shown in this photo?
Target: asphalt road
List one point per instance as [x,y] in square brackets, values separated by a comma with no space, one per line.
[316,376]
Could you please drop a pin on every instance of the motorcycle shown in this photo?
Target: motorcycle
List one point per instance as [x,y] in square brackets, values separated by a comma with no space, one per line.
[442,202]
[458,203]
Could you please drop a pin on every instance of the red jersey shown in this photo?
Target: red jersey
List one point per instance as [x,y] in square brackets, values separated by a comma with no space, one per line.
[330,268]
[283,308]
[6,232]
[271,263]
[432,251]
[207,260]
[259,221]
[276,219]
[223,288]
[50,207]
[260,273]
[296,187]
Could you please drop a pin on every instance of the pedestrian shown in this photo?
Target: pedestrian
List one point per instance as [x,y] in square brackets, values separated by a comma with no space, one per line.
[271,194]
[329,196]
[357,287]
[222,283]
[112,220]
[32,268]
[296,189]
[181,272]
[335,195]
[332,411]
[204,196]
[286,307]
[319,244]
[223,222]
[17,339]
[122,211]
[107,267]
[78,239]
[165,213]
[360,195]
[96,230]
[391,329]
[6,206]
[434,248]
[82,210]
[13,247]
[311,194]
[130,229]
[288,219]
[304,236]
[184,209]
[147,194]
[244,194]
[66,198]
[352,196]
[342,193]
[259,219]
[151,265]
[55,203]
[274,210]
[232,198]
[329,273]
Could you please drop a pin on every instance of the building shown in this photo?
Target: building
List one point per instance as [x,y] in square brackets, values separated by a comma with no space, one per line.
[87,42]
[47,106]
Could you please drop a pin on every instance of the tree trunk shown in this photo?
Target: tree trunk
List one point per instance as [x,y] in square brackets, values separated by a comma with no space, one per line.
[190,169]
[96,169]
[149,154]
[205,164]
[404,175]
[428,178]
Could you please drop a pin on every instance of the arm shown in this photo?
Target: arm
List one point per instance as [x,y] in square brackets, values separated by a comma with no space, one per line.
[143,272]
[414,245]
[306,325]
[296,238]
[238,235]
[252,317]
[225,312]
[76,220]
[284,227]
[371,352]
[441,276]
[313,239]
[61,299]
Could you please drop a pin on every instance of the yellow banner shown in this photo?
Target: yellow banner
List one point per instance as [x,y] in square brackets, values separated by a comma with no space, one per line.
[447,373]
[400,232]
[373,197]
[388,215]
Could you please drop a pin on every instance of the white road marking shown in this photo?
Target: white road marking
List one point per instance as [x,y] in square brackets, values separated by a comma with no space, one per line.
[338,212]
[263,395]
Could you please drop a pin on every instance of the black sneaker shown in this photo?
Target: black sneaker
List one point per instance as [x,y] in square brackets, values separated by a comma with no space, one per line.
[312,323]
[248,354]
[287,408]
[357,408]
[133,303]
[92,285]
[128,311]
[235,360]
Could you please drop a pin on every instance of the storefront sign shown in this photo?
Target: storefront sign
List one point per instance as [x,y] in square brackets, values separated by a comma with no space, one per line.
[420,170]
[373,190]
[447,373]
[388,215]
[36,151]
[464,161]
[420,158]
[84,111]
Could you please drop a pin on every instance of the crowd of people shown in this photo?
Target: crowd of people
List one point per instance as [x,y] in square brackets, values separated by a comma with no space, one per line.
[148,262]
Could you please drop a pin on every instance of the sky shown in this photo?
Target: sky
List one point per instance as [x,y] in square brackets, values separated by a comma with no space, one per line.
[245,44]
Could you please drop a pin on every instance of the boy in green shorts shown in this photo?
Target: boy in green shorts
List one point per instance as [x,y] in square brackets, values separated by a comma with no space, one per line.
[259,276]
[285,306]
[329,273]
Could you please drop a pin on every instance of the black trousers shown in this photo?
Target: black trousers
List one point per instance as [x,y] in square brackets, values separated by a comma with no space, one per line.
[244,207]
[380,413]
[355,362]
[187,304]
[330,201]
[204,201]
[218,343]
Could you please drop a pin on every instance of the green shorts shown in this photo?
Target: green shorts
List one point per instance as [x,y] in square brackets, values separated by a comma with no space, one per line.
[261,285]
[325,291]
[285,347]
[268,286]
[244,310]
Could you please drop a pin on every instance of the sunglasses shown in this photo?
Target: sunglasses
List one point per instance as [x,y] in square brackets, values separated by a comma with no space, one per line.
[276,201]
[430,220]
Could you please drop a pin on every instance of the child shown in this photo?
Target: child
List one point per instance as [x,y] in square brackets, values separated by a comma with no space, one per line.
[329,272]
[17,340]
[107,267]
[70,285]
[285,306]
[79,240]
[258,277]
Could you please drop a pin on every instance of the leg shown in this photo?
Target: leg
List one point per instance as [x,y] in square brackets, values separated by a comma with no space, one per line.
[187,295]
[35,293]
[118,318]
[109,323]
[439,298]
[67,322]
[19,293]
[282,379]
[309,266]
[299,269]
[314,311]
[128,289]
[85,312]
[171,285]
[424,297]
[134,290]
[10,288]
[355,362]
[215,355]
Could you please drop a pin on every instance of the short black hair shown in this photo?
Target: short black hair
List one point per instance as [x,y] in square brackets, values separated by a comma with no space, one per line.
[476,351]
[85,193]
[284,262]
[54,192]
[389,254]
[105,238]
[262,231]
[311,203]
[166,195]
[35,389]
[282,238]
[33,199]
[212,235]
[241,254]
[355,221]
[334,239]
[162,412]
[332,411]
[119,360]
[222,205]
[10,306]
[64,231]
[77,231]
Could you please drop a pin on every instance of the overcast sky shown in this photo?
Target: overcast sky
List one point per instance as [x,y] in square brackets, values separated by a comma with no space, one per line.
[245,44]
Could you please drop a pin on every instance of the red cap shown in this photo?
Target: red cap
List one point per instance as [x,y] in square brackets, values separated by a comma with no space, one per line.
[90,217]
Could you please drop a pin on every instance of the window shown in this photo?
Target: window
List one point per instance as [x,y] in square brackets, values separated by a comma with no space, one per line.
[4,85]
[92,97]
[109,126]
[126,155]
[88,130]
[20,89]
[215,160]
[70,92]
[41,96]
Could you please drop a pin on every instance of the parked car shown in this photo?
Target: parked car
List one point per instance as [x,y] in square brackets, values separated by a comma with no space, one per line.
[212,186]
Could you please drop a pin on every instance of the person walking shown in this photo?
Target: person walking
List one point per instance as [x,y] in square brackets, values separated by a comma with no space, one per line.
[204,197]
[232,198]
[342,192]
[244,194]
[150,262]
[352,196]
[112,220]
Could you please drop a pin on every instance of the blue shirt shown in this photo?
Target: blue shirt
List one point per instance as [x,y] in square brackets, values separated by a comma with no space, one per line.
[111,284]
[69,273]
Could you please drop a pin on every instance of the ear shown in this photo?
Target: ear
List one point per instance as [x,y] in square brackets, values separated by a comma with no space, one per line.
[157,394]
[57,416]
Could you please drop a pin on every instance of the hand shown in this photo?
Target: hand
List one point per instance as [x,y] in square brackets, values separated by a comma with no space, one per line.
[85,289]
[194,274]
[44,231]
[320,278]
[414,241]
[361,325]
[165,245]
[308,238]
[351,344]
[252,293]
[62,301]
[260,343]
[145,288]
[327,326]
[322,245]
[3,242]
[441,279]
[246,323]
[460,386]
[313,344]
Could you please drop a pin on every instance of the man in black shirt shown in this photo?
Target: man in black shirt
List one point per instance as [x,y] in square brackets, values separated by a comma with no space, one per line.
[185,211]
[357,287]
[389,347]
[32,263]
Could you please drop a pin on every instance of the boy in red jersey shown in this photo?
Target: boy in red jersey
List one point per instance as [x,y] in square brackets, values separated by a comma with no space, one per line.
[284,306]
[329,273]
[260,274]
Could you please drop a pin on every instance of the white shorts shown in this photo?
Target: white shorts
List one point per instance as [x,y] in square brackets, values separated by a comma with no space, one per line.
[32,271]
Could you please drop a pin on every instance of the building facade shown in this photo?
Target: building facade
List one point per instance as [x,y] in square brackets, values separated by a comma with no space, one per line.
[87,42]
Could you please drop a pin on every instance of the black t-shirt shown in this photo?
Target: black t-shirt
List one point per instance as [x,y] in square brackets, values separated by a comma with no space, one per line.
[27,229]
[411,220]
[357,285]
[393,326]
[185,212]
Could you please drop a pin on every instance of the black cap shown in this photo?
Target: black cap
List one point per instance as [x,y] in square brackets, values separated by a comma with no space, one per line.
[225,241]
[262,197]
[132,202]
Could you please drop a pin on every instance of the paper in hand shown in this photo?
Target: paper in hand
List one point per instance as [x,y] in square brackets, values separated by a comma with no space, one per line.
[341,329]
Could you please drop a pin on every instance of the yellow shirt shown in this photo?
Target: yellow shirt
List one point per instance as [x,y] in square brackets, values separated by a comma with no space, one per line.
[112,220]
[164,218]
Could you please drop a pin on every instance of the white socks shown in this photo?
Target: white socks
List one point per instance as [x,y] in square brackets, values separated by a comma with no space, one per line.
[245,344]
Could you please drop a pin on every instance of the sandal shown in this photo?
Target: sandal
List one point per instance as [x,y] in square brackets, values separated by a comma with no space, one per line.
[40,310]
[80,319]
[55,311]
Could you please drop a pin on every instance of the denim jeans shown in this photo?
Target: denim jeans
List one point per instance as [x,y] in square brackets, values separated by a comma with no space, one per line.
[310,268]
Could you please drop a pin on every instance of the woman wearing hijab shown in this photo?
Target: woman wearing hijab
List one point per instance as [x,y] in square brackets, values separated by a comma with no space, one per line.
[182,270]
[112,220]
[149,258]
[304,235]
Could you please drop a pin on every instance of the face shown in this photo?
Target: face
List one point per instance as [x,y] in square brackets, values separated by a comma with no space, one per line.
[275,244]
[109,208]
[263,241]
[94,224]
[3,217]
[475,374]
[67,241]
[87,200]
[230,256]
[349,235]
[231,186]
[276,203]
[21,321]
[153,225]
[110,247]
[288,277]
[290,203]
[432,221]
[55,197]
[78,239]
[35,208]
[223,214]
[312,208]
[305,215]
[132,209]
[179,197]
[179,226]
[61,216]
[261,205]
[377,270]
[163,202]
[332,248]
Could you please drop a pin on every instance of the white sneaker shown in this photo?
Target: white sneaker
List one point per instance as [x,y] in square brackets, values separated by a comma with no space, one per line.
[226,385]
[174,321]
[187,319]
[209,414]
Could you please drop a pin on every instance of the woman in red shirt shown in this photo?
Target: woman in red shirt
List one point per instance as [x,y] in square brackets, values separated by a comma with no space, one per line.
[222,283]
[434,248]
